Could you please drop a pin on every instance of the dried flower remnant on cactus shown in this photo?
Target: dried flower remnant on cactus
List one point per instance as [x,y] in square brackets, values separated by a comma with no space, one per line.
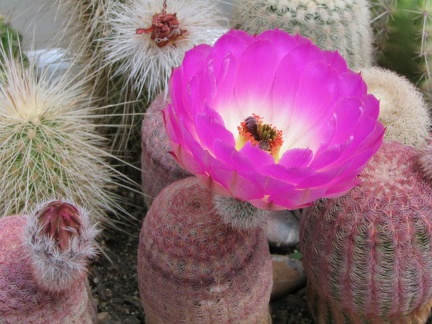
[271,119]
[145,46]
[165,28]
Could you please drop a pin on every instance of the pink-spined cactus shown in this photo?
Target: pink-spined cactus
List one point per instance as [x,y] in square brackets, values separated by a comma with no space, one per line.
[43,266]
[368,254]
[193,268]
[158,166]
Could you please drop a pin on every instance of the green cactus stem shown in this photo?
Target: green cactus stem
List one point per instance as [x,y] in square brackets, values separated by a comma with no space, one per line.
[403,41]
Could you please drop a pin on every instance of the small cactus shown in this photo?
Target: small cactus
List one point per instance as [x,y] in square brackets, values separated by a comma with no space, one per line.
[403,109]
[49,146]
[402,30]
[193,268]
[368,255]
[333,25]
[159,168]
[44,258]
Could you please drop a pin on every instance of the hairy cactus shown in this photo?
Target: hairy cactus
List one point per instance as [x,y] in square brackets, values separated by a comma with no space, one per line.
[120,42]
[402,30]
[43,266]
[193,268]
[368,255]
[332,25]
[403,109]
[49,146]
[159,168]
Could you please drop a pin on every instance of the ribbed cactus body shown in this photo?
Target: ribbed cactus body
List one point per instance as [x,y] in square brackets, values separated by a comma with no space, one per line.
[22,300]
[368,255]
[192,268]
[158,166]
[333,25]
[402,30]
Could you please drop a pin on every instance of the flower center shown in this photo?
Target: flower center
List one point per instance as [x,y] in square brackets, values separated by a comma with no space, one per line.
[165,28]
[267,137]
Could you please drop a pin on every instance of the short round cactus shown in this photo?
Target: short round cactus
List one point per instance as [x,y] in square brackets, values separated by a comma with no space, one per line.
[43,266]
[193,268]
[49,146]
[403,109]
[332,25]
[402,30]
[368,255]
[159,168]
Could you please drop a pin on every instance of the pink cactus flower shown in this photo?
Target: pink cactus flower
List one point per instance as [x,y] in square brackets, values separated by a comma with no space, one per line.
[271,119]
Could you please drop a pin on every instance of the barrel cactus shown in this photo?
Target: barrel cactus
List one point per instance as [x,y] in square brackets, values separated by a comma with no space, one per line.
[44,258]
[193,268]
[403,108]
[402,30]
[332,25]
[367,255]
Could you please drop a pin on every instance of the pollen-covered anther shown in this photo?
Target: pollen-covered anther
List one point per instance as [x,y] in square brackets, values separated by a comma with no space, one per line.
[59,221]
[165,28]
[266,136]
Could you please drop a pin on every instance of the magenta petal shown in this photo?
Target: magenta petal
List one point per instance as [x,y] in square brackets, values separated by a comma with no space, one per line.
[210,127]
[296,158]
[254,81]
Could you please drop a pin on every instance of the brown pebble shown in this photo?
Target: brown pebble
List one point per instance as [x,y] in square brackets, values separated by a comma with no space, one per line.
[288,276]
[103,316]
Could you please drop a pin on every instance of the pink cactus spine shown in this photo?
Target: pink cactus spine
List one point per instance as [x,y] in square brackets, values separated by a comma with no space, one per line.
[192,268]
[368,255]
[159,167]
[43,268]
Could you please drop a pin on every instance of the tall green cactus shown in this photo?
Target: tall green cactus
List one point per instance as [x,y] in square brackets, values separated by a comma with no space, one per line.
[332,25]
[403,41]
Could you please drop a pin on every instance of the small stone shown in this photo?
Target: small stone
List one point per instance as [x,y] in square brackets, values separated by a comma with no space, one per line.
[283,229]
[103,316]
[288,276]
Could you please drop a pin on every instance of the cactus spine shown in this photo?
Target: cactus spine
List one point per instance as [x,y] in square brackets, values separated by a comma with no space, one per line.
[43,268]
[367,255]
[332,25]
[403,40]
[193,268]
